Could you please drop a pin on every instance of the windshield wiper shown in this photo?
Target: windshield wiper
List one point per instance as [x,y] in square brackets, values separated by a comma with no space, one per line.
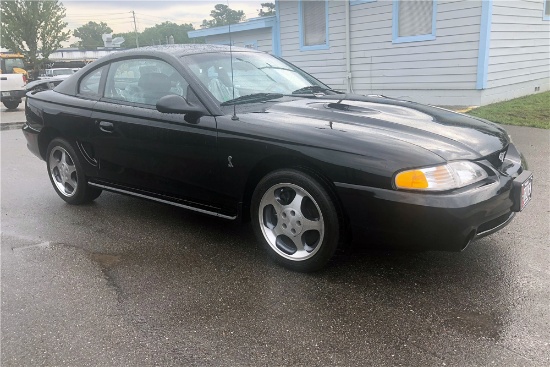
[252,98]
[315,89]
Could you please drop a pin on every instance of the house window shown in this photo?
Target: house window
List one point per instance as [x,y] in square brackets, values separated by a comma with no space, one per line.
[313,18]
[546,12]
[414,20]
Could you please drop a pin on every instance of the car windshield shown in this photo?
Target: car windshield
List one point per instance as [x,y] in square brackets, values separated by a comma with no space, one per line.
[63,72]
[253,73]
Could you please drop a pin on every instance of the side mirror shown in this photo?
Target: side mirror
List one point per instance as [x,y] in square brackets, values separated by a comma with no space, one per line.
[177,104]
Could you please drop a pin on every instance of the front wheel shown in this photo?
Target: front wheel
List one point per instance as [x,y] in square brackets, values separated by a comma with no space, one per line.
[67,175]
[296,220]
[11,105]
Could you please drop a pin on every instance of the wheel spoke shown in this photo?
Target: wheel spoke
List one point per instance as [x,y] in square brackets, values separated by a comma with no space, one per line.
[272,200]
[277,230]
[63,157]
[298,243]
[309,225]
[53,162]
[297,202]
[72,169]
[72,182]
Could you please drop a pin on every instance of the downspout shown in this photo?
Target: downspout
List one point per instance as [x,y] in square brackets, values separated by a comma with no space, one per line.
[348,50]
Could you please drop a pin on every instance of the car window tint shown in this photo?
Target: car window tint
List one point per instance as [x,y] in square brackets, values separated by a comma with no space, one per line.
[90,83]
[143,81]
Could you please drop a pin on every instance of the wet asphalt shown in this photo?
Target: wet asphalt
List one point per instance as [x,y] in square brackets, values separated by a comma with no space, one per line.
[127,282]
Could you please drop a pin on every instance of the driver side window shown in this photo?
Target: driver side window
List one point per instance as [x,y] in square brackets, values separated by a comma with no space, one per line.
[143,81]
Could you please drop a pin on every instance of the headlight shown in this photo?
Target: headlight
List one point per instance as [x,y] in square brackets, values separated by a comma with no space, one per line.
[446,177]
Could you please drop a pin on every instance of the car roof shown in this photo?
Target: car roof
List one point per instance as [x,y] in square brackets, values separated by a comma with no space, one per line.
[183,50]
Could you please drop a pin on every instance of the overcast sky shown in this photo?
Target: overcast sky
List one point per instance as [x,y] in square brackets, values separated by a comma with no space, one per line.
[148,13]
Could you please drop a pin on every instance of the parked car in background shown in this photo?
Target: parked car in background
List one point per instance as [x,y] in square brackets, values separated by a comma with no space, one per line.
[240,134]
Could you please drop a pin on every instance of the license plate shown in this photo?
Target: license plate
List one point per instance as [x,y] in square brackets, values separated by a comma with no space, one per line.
[526,190]
[523,189]
[5,94]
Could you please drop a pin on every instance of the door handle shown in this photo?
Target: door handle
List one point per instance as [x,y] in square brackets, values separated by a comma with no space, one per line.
[106,126]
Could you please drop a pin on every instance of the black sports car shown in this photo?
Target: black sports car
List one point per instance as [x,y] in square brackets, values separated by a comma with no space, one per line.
[240,134]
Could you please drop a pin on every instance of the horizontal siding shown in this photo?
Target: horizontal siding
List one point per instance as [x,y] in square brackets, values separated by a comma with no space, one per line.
[326,65]
[447,63]
[262,38]
[519,52]
[380,66]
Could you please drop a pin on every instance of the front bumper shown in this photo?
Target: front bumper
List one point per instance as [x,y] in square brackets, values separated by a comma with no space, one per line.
[447,222]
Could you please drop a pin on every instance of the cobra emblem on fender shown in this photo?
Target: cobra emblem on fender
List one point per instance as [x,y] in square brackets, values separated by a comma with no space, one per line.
[229,162]
[501,156]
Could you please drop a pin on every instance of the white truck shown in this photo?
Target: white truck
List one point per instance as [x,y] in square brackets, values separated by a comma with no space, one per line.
[13,79]
[12,87]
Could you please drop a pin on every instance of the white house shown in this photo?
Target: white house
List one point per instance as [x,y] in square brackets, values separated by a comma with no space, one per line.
[444,52]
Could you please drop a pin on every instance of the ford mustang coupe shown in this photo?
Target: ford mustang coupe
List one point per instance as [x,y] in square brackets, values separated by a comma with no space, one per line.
[240,134]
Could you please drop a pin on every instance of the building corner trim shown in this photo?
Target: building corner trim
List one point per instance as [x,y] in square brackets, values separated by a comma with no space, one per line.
[484,44]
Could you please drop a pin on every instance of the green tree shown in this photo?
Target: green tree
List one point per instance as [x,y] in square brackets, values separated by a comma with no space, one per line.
[223,15]
[158,34]
[90,34]
[270,10]
[34,28]
[161,32]
[129,39]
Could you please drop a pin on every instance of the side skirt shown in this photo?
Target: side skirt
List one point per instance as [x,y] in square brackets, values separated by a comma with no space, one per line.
[131,193]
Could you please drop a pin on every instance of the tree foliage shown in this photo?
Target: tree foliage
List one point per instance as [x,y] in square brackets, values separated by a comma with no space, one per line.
[90,34]
[159,34]
[223,15]
[33,28]
[270,10]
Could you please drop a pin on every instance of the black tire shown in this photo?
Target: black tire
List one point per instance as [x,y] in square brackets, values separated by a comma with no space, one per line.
[11,105]
[67,175]
[299,234]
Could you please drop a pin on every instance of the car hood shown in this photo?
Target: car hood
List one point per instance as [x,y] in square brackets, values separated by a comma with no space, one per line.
[448,134]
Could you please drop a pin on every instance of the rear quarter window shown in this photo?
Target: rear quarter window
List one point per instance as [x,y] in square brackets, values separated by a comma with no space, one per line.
[89,85]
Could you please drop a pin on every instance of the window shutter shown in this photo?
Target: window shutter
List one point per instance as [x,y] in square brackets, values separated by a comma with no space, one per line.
[314,21]
[415,17]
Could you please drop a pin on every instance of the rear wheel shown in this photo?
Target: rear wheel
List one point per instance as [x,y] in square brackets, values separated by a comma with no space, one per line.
[67,175]
[11,105]
[296,220]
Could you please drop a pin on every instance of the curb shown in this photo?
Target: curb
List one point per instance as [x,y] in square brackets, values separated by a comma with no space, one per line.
[11,126]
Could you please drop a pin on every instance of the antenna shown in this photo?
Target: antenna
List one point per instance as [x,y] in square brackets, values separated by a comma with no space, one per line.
[234,117]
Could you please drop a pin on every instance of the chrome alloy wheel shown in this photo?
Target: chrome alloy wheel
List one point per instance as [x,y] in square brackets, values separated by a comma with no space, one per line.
[291,221]
[63,171]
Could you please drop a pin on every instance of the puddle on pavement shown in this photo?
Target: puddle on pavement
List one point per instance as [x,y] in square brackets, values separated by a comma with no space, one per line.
[477,324]
[105,260]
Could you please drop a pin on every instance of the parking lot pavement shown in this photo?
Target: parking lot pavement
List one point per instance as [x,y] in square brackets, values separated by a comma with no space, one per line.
[12,119]
[127,282]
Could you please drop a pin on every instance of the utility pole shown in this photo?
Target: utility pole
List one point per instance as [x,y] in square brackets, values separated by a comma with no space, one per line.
[135,28]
